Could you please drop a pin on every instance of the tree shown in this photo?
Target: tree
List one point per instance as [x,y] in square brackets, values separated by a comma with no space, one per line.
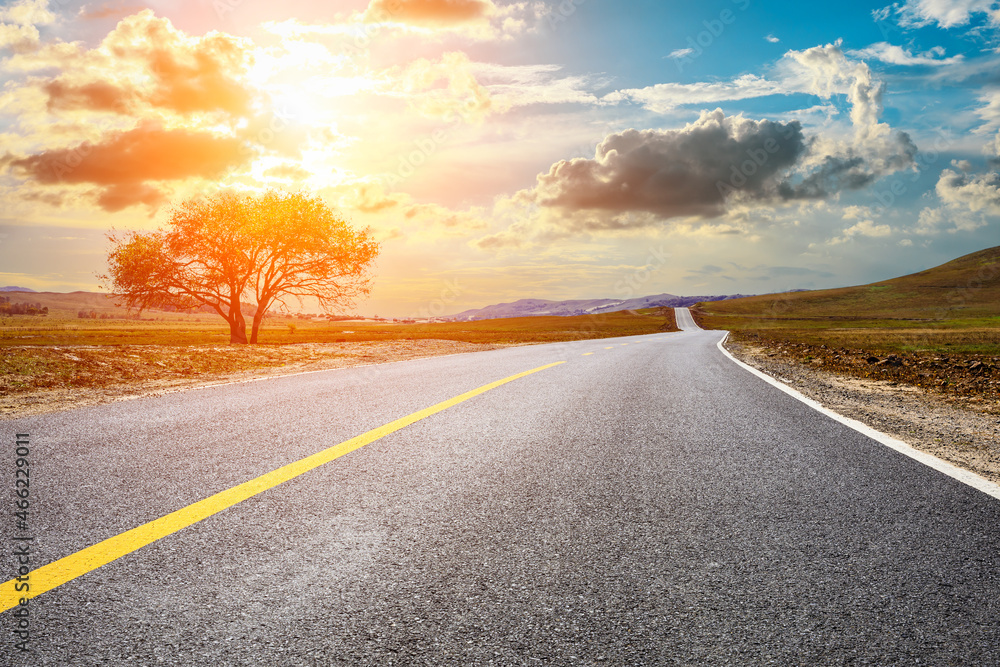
[223,250]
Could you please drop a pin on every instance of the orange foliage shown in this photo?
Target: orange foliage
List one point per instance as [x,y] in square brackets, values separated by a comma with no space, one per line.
[232,248]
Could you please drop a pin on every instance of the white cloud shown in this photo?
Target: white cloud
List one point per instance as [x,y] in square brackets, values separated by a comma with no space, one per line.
[772,39]
[990,113]
[28,12]
[826,71]
[19,23]
[664,97]
[857,213]
[681,53]
[979,193]
[520,85]
[897,55]
[455,87]
[951,219]
[446,88]
[865,228]
[945,13]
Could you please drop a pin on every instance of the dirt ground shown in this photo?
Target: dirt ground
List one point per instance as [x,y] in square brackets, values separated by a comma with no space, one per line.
[961,427]
[955,374]
[39,380]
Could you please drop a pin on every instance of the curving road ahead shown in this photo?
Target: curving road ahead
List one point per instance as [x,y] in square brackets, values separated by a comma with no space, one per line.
[646,502]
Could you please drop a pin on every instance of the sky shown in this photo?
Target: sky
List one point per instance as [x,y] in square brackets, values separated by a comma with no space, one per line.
[505,150]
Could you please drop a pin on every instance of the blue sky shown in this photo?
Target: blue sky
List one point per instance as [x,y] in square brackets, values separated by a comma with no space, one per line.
[503,150]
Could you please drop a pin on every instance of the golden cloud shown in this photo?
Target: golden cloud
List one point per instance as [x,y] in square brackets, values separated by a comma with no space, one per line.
[429,12]
[146,62]
[124,161]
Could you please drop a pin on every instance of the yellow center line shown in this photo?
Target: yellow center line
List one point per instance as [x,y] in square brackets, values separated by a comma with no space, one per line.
[587,354]
[610,347]
[86,560]
[624,344]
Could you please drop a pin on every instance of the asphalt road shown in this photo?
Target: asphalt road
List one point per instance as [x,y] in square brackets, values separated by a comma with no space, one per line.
[646,502]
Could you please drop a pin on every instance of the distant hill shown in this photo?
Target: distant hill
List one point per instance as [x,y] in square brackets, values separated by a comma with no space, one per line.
[11,288]
[967,287]
[67,304]
[540,307]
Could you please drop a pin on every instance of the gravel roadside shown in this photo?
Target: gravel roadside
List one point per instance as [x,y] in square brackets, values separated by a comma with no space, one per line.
[964,431]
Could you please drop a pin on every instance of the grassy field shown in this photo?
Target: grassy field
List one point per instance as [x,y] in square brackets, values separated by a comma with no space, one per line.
[936,328]
[204,329]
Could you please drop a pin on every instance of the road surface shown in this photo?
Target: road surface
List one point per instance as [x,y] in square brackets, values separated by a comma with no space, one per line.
[645,502]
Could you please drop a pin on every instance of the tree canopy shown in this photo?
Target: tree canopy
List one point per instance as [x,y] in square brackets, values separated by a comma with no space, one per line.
[236,248]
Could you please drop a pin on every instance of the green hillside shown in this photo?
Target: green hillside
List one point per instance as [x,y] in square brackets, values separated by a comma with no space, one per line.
[955,306]
[968,287]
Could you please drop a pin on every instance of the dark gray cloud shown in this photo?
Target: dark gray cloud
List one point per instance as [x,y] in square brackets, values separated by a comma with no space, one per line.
[835,173]
[850,171]
[671,173]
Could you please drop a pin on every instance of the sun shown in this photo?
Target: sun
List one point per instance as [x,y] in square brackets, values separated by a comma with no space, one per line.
[304,82]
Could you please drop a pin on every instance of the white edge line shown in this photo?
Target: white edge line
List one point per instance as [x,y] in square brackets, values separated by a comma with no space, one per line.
[953,471]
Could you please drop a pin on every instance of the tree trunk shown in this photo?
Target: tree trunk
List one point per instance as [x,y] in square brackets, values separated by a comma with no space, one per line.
[258,317]
[237,331]
[237,325]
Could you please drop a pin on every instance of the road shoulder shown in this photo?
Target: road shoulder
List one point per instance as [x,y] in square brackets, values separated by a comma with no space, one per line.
[964,434]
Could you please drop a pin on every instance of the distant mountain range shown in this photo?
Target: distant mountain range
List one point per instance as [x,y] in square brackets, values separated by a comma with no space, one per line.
[67,304]
[538,307]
